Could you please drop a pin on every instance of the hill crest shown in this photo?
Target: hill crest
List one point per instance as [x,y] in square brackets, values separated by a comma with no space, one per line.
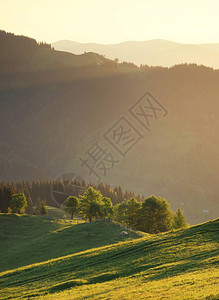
[156,52]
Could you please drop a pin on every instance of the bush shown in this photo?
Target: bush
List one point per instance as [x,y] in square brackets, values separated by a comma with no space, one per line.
[18,202]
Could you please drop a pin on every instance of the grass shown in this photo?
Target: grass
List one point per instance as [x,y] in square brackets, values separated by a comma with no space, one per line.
[28,239]
[55,212]
[175,265]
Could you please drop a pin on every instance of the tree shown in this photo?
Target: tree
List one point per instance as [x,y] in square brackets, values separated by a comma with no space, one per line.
[72,205]
[120,212]
[42,210]
[5,197]
[127,212]
[18,201]
[107,207]
[155,215]
[95,210]
[179,220]
[91,204]
[41,207]
[25,188]
[133,207]
[119,194]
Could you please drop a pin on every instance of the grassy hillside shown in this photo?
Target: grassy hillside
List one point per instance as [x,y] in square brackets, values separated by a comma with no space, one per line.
[55,212]
[177,265]
[35,239]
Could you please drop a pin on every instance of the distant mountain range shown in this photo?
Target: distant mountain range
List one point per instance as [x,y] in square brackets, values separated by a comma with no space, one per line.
[153,53]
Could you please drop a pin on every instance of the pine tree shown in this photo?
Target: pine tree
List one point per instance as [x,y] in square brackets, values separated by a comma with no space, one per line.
[41,207]
[179,220]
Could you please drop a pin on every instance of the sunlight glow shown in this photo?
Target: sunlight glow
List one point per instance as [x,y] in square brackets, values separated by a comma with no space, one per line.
[101,21]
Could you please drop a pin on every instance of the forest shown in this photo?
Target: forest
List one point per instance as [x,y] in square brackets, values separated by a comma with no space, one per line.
[101,202]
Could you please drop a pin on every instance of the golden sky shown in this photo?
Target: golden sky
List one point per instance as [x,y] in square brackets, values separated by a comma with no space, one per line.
[112,21]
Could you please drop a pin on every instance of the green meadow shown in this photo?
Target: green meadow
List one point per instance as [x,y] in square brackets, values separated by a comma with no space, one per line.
[29,239]
[47,258]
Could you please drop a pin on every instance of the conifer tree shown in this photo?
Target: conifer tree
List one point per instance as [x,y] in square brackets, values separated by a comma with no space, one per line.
[41,207]
[179,220]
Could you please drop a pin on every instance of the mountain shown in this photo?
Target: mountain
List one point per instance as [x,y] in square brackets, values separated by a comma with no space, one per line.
[66,261]
[20,53]
[153,53]
[50,118]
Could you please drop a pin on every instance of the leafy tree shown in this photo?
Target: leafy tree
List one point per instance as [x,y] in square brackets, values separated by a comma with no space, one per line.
[179,220]
[133,207]
[18,201]
[107,207]
[72,205]
[155,215]
[120,212]
[91,204]
[95,210]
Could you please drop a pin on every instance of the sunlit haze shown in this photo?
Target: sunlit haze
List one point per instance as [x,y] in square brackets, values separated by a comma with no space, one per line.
[187,21]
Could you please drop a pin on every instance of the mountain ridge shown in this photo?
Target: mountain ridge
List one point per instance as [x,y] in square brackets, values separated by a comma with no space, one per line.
[152,52]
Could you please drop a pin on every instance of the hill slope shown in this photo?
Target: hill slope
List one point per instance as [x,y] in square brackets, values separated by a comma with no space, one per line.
[20,53]
[35,239]
[178,265]
[153,53]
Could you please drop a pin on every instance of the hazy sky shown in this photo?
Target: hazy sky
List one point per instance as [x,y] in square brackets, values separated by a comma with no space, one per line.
[112,21]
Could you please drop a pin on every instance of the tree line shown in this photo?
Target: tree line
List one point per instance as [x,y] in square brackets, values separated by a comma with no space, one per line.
[153,215]
[44,190]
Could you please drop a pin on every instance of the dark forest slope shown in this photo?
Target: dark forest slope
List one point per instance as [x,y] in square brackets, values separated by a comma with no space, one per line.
[49,117]
[20,53]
